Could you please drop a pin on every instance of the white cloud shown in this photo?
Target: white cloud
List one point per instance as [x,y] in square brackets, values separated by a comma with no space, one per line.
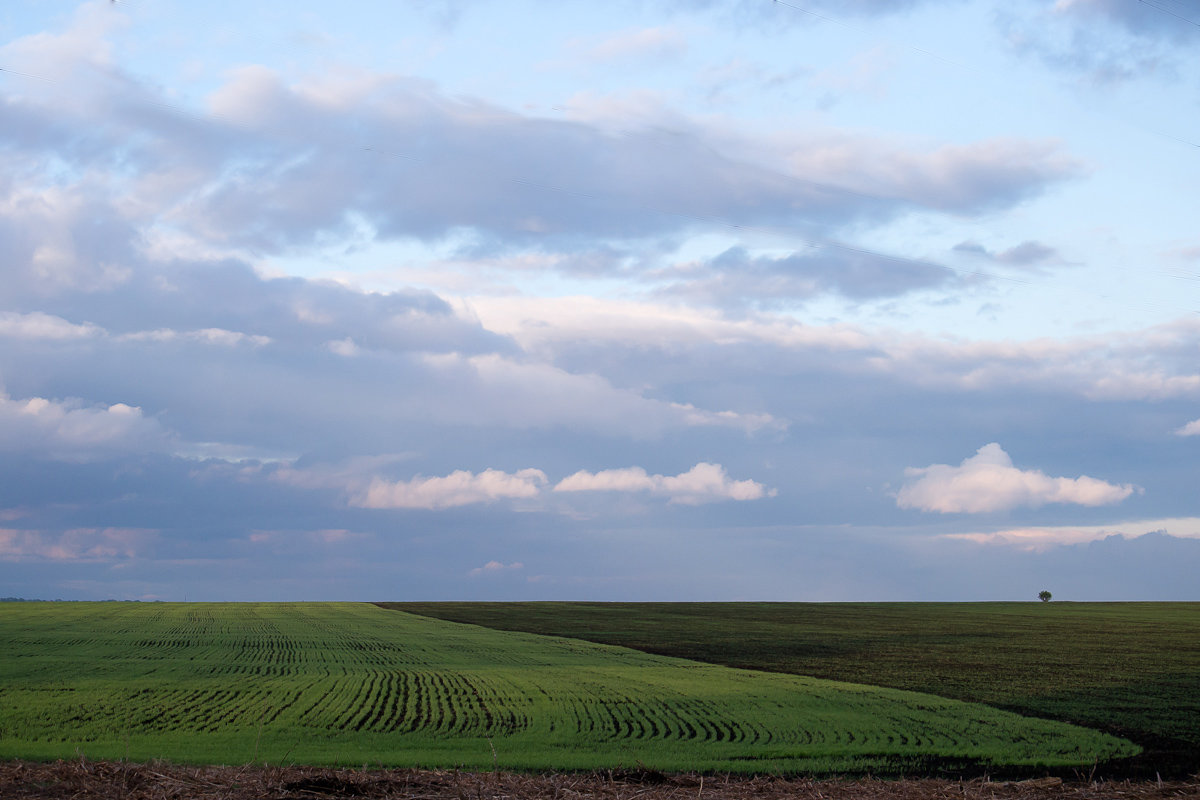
[214,336]
[79,544]
[43,326]
[353,474]
[703,483]
[495,567]
[730,419]
[988,481]
[343,347]
[54,55]
[962,178]
[642,43]
[1191,429]
[1042,538]
[364,488]
[1146,19]
[38,326]
[1149,364]
[535,394]
[544,325]
[459,488]
[67,429]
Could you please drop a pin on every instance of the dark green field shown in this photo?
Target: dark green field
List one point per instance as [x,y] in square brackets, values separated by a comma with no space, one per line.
[1127,668]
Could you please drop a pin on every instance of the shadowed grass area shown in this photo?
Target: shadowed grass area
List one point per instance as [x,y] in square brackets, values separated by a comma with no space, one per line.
[1128,668]
[323,683]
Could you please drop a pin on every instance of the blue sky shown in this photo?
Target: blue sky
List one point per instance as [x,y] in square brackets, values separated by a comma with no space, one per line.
[670,300]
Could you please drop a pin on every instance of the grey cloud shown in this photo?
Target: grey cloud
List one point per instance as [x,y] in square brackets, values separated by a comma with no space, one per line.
[281,167]
[220,355]
[972,178]
[1110,41]
[69,430]
[644,44]
[1168,19]
[803,13]
[438,165]
[1088,406]
[61,239]
[228,295]
[1026,254]
[735,279]
[39,326]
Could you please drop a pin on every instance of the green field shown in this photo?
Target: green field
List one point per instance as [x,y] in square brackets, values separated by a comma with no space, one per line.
[356,684]
[1128,668]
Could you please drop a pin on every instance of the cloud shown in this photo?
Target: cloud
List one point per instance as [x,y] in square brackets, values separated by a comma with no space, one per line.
[79,544]
[532,394]
[637,44]
[495,567]
[62,237]
[731,80]
[359,481]
[1190,429]
[1109,41]
[988,481]
[1026,254]
[737,279]
[811,12]
[972,178]
[1186,253]
[636,341]
[480,167]
[37,326]
[85,41]
[283,166]
[749,422]
[66,429]
[1162,19]
[866,72]
[214,336]
[703,483]
[1042,538]
[459,488]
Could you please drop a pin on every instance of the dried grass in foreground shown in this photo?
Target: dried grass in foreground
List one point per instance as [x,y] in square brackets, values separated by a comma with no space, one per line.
[93,780]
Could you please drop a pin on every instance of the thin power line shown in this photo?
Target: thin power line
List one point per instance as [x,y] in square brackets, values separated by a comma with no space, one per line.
[1170,12]
[28,75]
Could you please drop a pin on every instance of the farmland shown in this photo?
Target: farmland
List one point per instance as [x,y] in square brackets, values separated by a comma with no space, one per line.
[356,684]
[1128,668]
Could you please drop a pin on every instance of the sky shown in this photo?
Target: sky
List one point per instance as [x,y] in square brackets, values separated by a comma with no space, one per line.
[822,300]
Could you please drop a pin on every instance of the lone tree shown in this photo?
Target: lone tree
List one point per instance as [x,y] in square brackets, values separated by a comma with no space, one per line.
[1044,596]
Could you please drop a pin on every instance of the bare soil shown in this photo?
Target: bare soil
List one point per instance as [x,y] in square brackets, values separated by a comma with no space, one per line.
[90,780]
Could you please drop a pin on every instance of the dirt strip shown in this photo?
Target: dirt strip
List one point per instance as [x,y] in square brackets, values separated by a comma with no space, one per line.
[88,780]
